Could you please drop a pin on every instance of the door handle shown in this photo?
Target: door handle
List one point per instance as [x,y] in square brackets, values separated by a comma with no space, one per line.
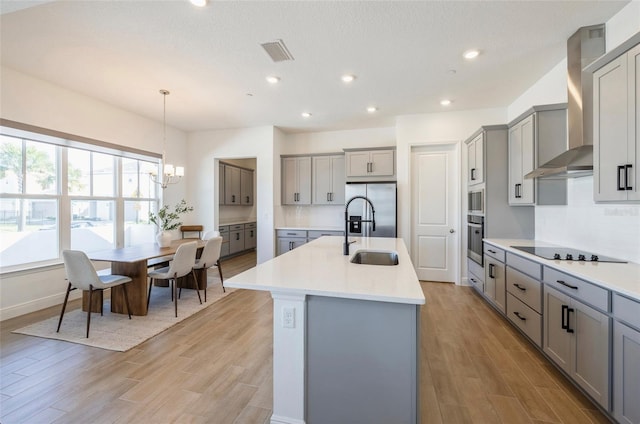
[248,199]
[452,231]
[233,198]
[627,177]
[569,329]
[237,236]
[328,197]
[492,268]
[518,191]
[519,287]
[519,316]
[473,174]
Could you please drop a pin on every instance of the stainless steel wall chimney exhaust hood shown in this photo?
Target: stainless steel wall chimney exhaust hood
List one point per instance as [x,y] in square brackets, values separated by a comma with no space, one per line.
[583,47]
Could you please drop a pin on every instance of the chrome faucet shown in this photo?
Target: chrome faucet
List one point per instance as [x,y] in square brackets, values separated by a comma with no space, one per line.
[345,247]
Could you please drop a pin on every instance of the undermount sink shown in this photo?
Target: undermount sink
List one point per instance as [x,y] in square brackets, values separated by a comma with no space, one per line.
[375,257]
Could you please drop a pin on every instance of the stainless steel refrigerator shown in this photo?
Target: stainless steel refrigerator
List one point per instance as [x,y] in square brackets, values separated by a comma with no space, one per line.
[383,197]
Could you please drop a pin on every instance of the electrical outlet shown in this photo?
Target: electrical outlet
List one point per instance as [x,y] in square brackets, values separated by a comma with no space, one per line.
[288,317]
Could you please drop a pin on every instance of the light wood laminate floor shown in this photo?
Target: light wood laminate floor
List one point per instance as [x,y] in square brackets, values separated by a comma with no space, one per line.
[216,367]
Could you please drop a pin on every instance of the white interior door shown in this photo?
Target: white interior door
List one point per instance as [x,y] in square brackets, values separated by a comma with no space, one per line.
[435,181]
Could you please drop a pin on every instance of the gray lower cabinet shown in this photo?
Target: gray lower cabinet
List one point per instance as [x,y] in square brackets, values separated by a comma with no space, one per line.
[236,238]
[476,275]
[224,232]
[626,360]
[494,282]
[524,304]
[250,237]
[289,239]
[362,361]
[576,338]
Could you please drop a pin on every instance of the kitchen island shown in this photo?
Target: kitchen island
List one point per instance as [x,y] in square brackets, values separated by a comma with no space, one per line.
[345,343]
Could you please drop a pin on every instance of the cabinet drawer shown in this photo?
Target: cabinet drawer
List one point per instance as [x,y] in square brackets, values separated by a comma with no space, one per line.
[236,227]
[525,266]
[314,234]
[626,310]
[525,318]
[579,289]
[494,252]
[476,282]
[223,229]
[475,269]
[249,225]
[292,233]
[525,288]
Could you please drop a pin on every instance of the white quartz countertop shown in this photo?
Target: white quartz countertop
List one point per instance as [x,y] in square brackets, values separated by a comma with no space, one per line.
[621,278]
[319,268]
[243,221]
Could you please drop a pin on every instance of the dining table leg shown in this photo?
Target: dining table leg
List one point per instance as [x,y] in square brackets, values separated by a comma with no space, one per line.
[136,289]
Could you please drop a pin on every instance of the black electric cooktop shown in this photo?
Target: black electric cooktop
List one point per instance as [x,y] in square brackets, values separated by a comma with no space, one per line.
[566,254]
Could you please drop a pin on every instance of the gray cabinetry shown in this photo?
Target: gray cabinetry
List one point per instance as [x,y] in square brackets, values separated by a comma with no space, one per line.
[246,187]
[224,233]
[361,370]
[236,238]
[289,239]
[328,180]
[524,297]
[576,338]
[250,237]
[494,282]
[476,276]
[370,163]
[536,137]
[626,360]
[475,160]
[231,185]
[296,180]
[616,115]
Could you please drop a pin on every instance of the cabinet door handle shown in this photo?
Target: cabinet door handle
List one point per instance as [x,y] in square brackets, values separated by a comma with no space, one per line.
[331,196]
[328,197]
[622,170]
[237,236]
[248,199]
[473,174]
[233,198]
[564,317]
[473,280]
[492,269]
[519,287]
[569,329]
[518,191]
[251,233]
[627,177]
[492,251]
[567,285]
[519,316]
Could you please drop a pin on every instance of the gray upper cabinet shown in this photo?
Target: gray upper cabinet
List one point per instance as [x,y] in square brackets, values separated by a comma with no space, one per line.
[370,163]
[246,187]
[231,185]
[616,109]
[221,184]
[328,180]
[536,137]
[475,160]
[296,180]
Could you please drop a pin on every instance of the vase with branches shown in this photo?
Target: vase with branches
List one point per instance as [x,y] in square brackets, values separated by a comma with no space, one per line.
[166,220]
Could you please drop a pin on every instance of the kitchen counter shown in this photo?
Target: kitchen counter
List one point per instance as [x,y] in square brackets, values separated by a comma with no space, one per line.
[243,221]
[327,228]
[618,277]
[329,314]
[320,268]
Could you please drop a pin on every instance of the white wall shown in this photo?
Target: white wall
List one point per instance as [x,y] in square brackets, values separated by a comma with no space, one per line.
[205,149]
[36,102]
[612,230]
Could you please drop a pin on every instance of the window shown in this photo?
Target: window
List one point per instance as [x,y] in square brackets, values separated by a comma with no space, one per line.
[99,200]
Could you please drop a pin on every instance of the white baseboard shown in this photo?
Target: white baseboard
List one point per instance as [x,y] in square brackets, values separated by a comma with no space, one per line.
[36,305]
[278,419]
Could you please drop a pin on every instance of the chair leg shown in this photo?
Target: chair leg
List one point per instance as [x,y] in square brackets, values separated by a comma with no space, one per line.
[149,296]
[126,299]
[180,293]
[64,306]
[195,279]
[89,310]
[220,272]
[174,295]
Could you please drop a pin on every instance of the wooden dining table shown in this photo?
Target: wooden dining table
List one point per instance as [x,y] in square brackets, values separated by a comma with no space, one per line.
[133,261]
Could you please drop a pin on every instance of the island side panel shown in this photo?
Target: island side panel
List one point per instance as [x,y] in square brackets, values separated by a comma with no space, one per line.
[362,361]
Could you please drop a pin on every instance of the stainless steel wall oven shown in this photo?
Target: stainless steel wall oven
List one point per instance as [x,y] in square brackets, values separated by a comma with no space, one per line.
[475,234]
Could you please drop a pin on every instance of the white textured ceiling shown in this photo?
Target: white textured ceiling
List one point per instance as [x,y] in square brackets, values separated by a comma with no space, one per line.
[123,52]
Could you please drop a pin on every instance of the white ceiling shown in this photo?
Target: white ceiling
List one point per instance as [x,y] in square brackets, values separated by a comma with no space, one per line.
[123,52]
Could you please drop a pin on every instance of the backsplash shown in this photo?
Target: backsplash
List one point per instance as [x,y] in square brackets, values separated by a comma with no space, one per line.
[607,229]
[312,216]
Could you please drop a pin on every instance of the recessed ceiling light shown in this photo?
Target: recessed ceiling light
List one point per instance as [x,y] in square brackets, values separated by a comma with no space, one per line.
[348,78]
[471,54]
[199,3]
[272,79]
[372,109]
[306,114]
[445,102]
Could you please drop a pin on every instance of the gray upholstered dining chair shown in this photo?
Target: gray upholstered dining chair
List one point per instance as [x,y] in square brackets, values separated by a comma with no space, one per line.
[209,258]
[183,261]
[208,235]
[82,275]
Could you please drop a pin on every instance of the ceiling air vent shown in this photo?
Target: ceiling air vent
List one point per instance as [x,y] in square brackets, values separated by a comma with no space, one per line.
[277,51]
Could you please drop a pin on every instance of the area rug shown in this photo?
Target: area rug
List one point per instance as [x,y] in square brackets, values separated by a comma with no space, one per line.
[115,331]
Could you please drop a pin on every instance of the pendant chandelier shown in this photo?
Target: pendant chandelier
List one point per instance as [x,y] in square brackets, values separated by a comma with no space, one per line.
[170,174]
